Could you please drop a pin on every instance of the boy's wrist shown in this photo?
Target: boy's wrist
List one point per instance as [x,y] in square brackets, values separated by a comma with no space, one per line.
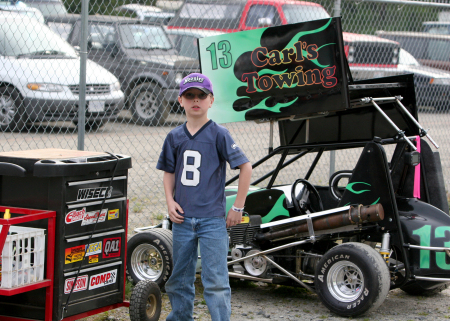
[237,209]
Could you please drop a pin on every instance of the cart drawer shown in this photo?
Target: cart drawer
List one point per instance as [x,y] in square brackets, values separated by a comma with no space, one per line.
[103,247]
[80,218]
[95,189]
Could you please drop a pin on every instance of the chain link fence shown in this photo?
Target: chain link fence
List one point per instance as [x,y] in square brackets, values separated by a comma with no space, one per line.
[136,61]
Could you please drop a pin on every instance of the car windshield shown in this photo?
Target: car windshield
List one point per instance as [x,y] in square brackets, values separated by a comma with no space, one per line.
[144,37]
[439,30]
[300,13]
[49,9]
[61,28]
[209,11]
[29,37]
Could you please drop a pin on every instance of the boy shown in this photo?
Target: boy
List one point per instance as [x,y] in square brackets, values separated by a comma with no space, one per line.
[193,159]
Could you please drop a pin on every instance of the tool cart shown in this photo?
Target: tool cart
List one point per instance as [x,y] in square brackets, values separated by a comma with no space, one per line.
[80,228]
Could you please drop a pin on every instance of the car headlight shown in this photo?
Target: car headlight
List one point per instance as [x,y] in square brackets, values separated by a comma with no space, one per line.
[440,81]
[45,87]
[115,86]
[178,78]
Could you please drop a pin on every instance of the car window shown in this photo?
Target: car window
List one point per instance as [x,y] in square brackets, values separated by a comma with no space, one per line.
[209,11]
[438,50]
[143,37]
[39,40]
[61,28]
[188,46]
[258,11]
[300,13]
[443,30]
[100,36]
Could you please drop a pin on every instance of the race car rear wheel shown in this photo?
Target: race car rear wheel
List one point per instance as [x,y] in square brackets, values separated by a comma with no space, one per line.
[145,302]
[149,256]
[352,279]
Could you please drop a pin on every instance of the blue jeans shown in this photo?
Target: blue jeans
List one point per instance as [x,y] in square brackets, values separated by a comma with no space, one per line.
[212,236]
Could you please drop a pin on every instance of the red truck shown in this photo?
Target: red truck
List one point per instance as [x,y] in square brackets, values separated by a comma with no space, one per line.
[237,15]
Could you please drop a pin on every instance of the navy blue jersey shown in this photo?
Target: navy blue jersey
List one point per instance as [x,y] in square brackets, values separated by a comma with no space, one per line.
[199,164]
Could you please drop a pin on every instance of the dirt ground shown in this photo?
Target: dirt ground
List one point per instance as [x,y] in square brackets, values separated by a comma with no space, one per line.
[263,302]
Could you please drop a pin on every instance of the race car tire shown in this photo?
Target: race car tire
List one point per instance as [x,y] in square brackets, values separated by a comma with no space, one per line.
[147,105]
[145,302]
[12,111]
[352,279]
[149,256]
[415,288]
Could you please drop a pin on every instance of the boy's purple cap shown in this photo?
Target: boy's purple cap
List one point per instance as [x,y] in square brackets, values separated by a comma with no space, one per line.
[198,81]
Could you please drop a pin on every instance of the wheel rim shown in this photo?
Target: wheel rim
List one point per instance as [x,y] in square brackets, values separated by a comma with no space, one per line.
[7,110]
[147,262]
[345,281]
[151,306]
[146,105]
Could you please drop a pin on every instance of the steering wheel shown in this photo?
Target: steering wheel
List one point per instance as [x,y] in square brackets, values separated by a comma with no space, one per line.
[301,208]
[334,181]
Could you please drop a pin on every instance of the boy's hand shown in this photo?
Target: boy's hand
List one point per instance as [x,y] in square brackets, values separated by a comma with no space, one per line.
[233,218]
[173,209]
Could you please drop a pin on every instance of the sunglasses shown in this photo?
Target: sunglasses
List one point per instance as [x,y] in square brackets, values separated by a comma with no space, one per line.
[191,96]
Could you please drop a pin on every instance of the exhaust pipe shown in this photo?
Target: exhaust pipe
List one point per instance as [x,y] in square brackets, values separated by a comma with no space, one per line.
[355,215]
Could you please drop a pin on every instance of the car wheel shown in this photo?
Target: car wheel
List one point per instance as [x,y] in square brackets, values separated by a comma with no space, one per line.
[145,302]
[352,279]
[91,125]
[149,256]
[148,106]
[12,112]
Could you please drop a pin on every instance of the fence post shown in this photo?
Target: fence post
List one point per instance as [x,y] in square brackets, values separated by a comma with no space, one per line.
[83,58]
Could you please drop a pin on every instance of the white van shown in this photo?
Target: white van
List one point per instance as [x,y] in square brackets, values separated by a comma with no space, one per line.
[40,76]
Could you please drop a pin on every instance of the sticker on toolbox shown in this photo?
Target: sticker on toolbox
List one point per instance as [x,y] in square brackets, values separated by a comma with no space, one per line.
[91,217]
[93,259]
[111,247]
[74,254]
[103,279]
[81,285]
[75,215]
[113,214]
[94,193]
[94,248]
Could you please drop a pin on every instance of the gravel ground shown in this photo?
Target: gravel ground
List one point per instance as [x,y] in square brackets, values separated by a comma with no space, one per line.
[262,302]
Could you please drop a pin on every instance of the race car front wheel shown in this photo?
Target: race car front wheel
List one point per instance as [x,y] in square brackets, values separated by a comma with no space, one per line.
[352,279]
[149,256]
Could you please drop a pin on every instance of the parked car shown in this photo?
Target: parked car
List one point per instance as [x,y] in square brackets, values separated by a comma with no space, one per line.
[23,9]
[432,85]
[141,56]
[437,27]
[186,40]
[238,15]
[47,7]
[40,76]
[146,13]
[429,49]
